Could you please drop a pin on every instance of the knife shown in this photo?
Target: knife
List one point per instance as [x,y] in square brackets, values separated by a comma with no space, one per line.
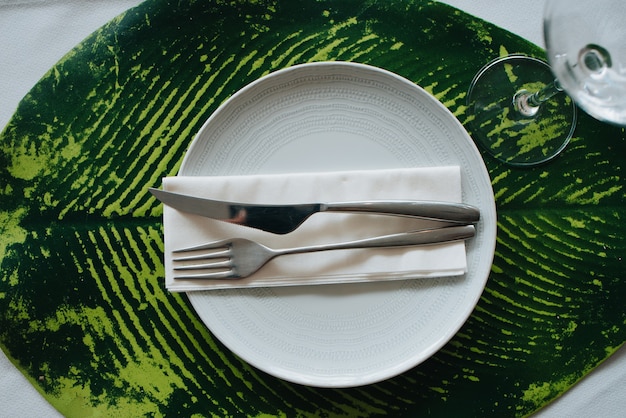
[282,219]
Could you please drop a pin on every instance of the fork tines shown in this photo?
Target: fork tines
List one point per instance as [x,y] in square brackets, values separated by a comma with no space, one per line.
[218,262]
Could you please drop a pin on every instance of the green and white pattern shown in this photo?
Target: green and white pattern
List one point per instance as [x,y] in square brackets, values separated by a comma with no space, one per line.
[83,309]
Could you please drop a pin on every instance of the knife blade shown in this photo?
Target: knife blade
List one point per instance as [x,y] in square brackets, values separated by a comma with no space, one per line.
[282,219]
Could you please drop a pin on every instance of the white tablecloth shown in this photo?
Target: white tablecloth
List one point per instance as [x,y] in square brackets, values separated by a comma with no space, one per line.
[35,34]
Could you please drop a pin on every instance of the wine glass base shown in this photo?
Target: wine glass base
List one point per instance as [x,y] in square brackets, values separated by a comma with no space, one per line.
[509,128]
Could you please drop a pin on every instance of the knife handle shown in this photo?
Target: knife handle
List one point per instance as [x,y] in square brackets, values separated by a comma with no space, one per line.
[433,210]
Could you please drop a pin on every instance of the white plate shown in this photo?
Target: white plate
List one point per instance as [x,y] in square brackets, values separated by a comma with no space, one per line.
[341,116]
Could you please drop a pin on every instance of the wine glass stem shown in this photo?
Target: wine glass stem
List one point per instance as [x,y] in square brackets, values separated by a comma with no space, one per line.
[545,93]
[528,103]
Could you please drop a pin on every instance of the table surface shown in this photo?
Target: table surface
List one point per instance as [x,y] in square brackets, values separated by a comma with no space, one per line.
[32,40]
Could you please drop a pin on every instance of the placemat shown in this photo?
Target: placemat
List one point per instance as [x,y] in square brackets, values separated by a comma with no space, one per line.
[83,309]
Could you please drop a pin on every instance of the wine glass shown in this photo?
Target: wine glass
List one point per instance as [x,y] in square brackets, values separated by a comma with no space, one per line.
[517,108]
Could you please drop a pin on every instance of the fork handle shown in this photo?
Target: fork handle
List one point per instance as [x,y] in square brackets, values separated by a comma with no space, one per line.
[440,211]
[421,237]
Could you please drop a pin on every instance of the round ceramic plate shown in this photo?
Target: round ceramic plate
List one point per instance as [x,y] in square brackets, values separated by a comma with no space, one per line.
[341,116]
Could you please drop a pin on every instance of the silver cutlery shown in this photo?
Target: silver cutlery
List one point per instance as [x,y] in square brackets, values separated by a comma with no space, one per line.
[238,258]
[282,219]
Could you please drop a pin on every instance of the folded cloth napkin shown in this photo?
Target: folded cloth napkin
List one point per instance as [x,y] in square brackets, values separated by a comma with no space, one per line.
[340,266]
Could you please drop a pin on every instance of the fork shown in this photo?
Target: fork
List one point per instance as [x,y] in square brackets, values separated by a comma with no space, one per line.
[238,258]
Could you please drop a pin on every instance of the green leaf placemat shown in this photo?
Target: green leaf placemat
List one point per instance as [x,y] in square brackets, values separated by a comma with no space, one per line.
[83,310]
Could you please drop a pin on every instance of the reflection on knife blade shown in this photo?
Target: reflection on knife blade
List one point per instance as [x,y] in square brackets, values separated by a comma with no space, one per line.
[282,219]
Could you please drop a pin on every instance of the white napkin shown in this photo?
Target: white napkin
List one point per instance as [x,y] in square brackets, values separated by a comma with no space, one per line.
[438,183]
